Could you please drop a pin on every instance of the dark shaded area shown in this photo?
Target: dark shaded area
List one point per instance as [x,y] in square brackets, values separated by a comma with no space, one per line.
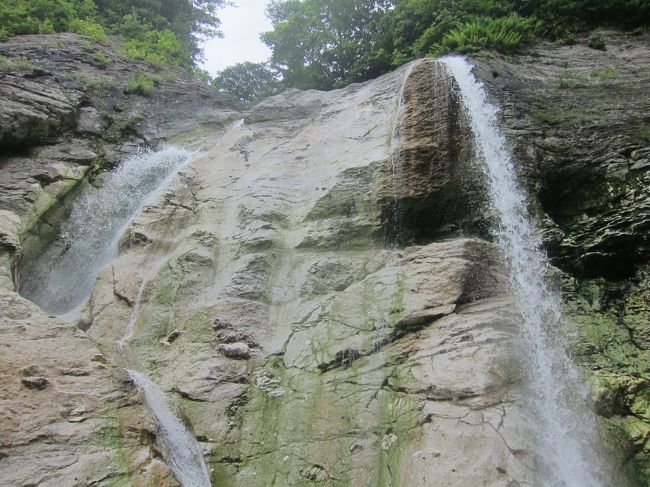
[434,186]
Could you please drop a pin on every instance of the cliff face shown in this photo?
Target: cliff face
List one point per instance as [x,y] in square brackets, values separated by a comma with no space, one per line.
[316,291]
[67,111]
[579,122]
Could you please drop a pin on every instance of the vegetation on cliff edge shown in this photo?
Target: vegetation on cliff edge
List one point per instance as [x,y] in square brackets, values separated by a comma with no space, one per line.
[162,31]
[327,44]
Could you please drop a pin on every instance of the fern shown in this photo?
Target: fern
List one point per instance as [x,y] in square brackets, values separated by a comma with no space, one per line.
[505,34]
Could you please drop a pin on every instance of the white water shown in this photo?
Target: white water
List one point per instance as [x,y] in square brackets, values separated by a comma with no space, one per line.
[183,452]
[60,279]
[135,313]
[564,426]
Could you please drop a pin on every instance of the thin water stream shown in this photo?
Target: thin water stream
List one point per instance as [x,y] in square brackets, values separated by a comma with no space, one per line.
[183,452]
[565,428]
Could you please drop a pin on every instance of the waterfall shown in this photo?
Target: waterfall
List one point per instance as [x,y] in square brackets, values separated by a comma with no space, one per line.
[61,277]
[564,427]
[183,452]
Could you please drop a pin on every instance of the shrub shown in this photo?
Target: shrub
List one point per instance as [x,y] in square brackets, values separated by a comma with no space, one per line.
[642,133]
[142,84]
[201,75]
[570,78]
[102,58]
[597,41]
[605,75]
[504,34]
[12,64]
[46,27]
[89,29]
[161,47]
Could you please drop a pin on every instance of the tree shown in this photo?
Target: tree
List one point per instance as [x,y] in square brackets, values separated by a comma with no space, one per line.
[189,20]
[249,82]
[325,44]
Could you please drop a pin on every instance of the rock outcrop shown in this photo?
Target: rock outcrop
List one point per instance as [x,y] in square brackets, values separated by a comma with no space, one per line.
[69,416]
[66,109]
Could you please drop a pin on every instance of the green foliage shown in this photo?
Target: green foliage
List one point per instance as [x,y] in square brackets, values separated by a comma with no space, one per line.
[581,14]
[319,44]
[95,83]
[249,82]
[605,75]
[190,21]
[328,43]
[15,64]
[159,46]
[165,32]
[46,27]
[142,84]
[557,116]
[201,75]
[597,41]
[89,29]
[504,34]
[420,25]
[102,164]
[570,78]
[102,58]
[642,133]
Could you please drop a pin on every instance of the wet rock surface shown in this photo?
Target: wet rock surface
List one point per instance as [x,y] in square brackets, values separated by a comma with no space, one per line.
[320,299]
[63,114]
[312,351]
[65,416]
[578,121]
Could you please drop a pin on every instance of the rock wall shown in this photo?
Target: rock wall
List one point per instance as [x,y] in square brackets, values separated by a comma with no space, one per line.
[319,294]
[300,346]
[579,120]
[69,415]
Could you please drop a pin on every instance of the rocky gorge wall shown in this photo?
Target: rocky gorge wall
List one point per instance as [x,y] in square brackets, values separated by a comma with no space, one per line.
[319,293]
[578,119]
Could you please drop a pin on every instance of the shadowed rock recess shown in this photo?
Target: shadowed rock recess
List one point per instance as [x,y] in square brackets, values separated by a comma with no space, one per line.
[315,291]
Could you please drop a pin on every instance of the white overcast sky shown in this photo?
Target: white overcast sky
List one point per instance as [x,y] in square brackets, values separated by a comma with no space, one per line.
[241,26]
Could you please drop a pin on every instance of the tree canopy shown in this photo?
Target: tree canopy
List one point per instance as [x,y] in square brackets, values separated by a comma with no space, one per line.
[249,82]
[328,43]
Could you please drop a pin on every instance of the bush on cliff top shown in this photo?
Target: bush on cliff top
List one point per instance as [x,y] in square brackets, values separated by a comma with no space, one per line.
[504,34]
[165,32]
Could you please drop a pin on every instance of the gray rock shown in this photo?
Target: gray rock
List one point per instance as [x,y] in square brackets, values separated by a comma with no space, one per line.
[39,383]
[236,350]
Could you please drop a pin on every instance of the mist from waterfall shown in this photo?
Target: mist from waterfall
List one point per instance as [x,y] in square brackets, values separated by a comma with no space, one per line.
[61,277]
[183,452]
[565,428]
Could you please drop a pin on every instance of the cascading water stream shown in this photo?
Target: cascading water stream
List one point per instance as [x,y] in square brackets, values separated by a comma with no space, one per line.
[61,277]
[396,229]
[183,452]
[564,426]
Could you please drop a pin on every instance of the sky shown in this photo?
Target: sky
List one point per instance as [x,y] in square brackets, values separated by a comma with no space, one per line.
[241,25]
